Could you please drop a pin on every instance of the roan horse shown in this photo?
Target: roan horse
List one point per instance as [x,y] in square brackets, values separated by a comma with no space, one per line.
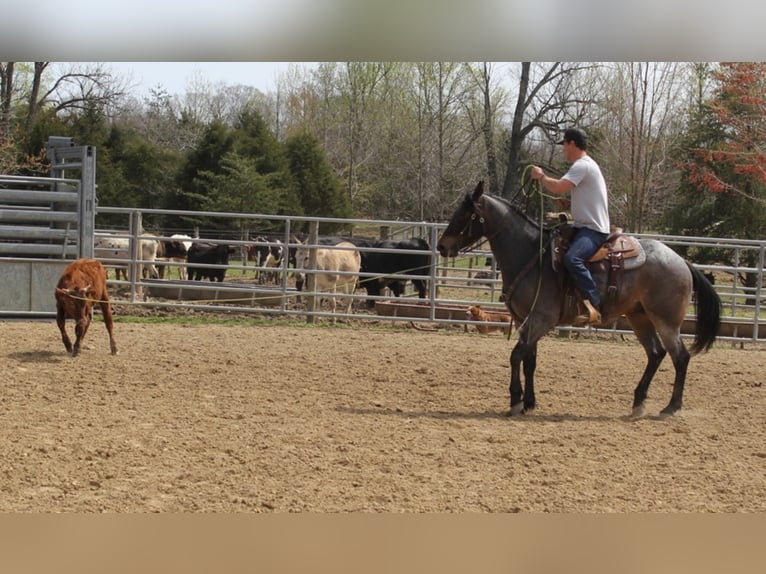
[654,297]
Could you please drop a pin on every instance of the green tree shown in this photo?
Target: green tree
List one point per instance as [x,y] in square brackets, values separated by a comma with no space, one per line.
[265,167]
[253,139]
[724,163]
[142,173]
[321,192]
[193,190]
[241,187]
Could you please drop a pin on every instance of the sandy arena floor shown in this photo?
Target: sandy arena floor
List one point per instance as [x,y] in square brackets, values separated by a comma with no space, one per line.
[366,419]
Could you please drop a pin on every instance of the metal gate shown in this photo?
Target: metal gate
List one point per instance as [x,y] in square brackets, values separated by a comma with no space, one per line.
[45,222]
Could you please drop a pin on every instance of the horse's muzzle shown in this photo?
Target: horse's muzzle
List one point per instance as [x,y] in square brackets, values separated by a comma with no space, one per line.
[447,248]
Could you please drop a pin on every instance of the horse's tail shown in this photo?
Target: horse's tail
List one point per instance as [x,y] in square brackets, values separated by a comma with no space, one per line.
[708,306]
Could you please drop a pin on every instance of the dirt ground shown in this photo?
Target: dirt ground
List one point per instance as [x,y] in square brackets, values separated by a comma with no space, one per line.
[366,418]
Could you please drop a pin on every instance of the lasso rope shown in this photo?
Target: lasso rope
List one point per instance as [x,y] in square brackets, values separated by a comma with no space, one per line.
[541,249]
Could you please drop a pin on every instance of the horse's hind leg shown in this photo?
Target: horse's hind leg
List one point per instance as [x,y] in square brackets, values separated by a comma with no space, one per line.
[647,336]
[680,356]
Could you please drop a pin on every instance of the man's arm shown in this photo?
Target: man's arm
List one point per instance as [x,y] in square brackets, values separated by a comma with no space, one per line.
[555,186]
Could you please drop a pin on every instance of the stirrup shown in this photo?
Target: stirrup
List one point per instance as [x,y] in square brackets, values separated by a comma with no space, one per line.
[592,316]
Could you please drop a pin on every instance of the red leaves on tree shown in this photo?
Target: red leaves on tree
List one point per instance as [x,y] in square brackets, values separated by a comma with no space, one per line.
[739,106]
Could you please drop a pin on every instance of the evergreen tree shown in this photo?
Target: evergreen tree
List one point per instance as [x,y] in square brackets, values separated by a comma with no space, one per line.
[724,166]
[321,192]
[275,191]
[254,140]
[194,190]
[142,173]
[241,188]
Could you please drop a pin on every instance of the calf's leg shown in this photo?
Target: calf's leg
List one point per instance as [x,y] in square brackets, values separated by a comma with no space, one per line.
[80,329]
[61,322]
[106,311]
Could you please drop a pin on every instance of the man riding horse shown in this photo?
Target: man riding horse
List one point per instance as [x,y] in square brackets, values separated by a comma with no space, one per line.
[590,211]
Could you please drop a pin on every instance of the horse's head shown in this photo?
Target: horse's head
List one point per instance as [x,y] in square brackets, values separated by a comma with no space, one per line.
[466,226]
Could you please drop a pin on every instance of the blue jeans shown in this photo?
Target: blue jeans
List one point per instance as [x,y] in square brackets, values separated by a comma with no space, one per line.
[585,243]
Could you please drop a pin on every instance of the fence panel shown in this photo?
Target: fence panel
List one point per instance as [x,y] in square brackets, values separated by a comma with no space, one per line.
[39,234]
[453,285]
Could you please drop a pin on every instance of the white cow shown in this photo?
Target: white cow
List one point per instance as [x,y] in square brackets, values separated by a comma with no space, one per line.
[106,247]
[337,269]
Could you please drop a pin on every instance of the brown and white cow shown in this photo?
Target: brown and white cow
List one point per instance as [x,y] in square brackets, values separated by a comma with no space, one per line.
[82,284]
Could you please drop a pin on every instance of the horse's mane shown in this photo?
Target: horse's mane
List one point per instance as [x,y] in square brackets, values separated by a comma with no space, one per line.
[518,212]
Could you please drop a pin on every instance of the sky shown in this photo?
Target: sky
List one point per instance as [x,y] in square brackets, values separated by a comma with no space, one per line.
[175,77]
[340,30]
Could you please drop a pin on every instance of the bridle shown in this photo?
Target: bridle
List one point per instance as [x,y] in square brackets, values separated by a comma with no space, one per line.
[536,259]
[468,228]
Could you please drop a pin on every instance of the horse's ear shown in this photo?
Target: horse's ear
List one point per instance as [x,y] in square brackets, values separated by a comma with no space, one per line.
[477,193]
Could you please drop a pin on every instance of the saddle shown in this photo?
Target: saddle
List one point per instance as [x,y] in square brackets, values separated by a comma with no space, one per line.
[618,253]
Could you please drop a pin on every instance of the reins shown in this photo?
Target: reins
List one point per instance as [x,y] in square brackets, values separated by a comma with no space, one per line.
[538,258]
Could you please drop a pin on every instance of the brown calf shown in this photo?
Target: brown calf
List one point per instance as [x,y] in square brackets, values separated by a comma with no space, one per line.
[82,284]
[476,313]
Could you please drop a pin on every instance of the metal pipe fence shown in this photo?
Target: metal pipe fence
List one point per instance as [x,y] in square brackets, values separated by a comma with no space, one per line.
[470,279]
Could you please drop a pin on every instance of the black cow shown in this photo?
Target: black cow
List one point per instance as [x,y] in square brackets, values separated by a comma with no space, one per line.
[377,266]
[204,254]
[259,250]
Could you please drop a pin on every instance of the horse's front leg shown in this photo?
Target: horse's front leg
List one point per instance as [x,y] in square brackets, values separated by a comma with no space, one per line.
[518,400]
[530,364]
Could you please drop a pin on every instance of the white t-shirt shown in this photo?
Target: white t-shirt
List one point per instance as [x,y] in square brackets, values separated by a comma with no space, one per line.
[590,205]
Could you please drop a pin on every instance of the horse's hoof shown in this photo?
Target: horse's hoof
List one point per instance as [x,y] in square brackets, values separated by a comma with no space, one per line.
[516,410]
[638,411]
[668,412]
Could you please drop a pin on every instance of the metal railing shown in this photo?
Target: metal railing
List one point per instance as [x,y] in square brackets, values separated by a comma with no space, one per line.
[453,284]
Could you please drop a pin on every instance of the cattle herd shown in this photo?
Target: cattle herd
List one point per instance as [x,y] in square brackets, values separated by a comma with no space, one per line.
[336,265]
[339,265]
[380,261]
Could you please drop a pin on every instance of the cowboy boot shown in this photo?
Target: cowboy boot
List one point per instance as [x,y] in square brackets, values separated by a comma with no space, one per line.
[591,316]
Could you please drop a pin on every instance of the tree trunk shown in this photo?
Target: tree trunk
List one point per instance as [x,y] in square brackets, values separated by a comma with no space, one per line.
[34,95]
[512,174]
[6,89]
[489,132]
